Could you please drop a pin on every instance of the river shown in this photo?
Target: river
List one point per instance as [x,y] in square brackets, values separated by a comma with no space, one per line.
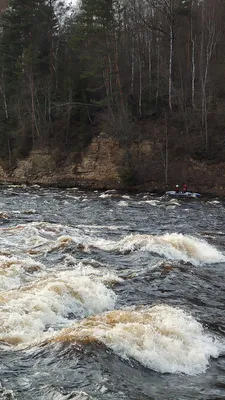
[111,296]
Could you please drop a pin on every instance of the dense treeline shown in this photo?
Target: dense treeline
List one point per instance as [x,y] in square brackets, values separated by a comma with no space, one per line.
[114,64]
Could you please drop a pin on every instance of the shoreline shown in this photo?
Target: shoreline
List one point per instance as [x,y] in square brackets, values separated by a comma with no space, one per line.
[91,188]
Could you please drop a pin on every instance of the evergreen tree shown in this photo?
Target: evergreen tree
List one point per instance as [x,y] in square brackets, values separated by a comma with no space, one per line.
[97,28]
[26,56]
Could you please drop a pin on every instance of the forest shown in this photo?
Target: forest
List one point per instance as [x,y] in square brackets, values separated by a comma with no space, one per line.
[134,69]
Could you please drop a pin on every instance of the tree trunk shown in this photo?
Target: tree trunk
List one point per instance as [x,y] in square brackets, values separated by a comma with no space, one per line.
[157,68]
[140,87]
[118,73]
[170,67]
[150,66]
[2,90]
[132,68]
[192,62]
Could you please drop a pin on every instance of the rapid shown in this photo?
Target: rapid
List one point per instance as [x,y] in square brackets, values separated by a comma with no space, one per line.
[111,296]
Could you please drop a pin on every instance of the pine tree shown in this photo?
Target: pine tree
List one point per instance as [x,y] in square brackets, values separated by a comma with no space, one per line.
[26,59]
[97,29]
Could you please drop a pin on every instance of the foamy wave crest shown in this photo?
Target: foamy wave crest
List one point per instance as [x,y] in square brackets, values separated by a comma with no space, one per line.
[173,202]
[6,394]
[153,203]
[173,246]
[16,271]
[81,268]
[123,203]
[40,237]
[39,309]
[162,338]
[75,395]
[105,195]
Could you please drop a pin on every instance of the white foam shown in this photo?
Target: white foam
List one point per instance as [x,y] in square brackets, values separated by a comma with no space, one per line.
[105,195]
[43,237]
[123,203]
[38,236]
[153,203]
[26,313]
[162,338]
[173,246]
[101,227]
[80,269]
[170,342]
[213,202]
[15,271]
[30,211]
[6,394]
[174,202]
[75,395]
[74,197]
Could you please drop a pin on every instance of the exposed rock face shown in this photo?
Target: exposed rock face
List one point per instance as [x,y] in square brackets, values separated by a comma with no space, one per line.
[99,167]
[100,164]
[36,166]
[3,175]
[106,165]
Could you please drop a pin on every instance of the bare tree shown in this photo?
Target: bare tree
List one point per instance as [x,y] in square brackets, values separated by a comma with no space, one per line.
[193,68]
[211,30]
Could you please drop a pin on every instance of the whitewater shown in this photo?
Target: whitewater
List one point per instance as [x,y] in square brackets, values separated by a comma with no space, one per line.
[105,295]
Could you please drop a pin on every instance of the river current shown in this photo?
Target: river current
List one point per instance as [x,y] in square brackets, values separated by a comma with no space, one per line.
[111,296]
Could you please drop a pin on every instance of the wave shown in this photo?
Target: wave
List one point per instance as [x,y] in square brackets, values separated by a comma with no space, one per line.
[6,394]
[42,238]
[162,338]
[39,237]
[172,246]
[93,268]
[153,203]
[40,309]
[123,203]
[15,271]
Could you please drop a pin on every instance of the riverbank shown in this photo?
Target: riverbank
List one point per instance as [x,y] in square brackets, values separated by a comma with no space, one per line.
[105,165]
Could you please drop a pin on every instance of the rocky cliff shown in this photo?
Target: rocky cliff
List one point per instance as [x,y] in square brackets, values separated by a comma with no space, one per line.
[105,164]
